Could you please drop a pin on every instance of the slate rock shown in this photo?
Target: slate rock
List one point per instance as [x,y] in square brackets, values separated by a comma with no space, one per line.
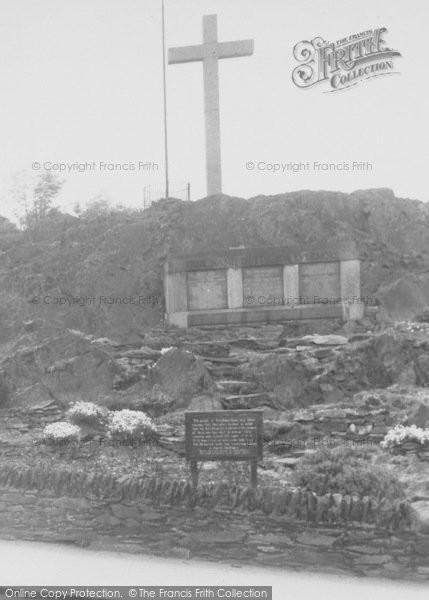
[373,559]
[218,537]
[315,539]
[125,512]
[420,416]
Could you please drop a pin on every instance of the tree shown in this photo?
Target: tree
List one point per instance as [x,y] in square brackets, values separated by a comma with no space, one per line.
[98,206]
[34,199]
[46,189]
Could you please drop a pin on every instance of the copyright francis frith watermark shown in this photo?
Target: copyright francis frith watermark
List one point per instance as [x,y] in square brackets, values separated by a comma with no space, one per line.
[65,300]
[343,63]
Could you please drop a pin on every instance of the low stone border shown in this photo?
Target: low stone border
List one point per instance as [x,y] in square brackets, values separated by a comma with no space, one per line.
[297,503]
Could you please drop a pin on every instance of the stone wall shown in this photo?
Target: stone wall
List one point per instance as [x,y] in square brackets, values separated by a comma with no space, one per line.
[290,529]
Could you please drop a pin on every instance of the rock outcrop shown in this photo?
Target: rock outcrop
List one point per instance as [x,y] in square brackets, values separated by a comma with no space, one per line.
[116,259]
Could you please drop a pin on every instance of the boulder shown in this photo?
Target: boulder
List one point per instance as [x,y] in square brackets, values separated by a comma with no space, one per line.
[421,366]
[420,416]
[285,377]
[205,403]
[66,368]
[405,296]
[181,375]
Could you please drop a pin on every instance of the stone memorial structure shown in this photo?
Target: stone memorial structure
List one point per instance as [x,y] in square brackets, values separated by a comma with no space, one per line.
[245,286]
[225,435]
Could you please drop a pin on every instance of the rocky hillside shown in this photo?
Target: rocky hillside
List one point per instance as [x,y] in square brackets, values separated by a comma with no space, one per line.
[120,255]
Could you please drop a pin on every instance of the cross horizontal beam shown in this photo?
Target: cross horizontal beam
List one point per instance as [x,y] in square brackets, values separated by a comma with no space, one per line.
[235,49]
[185,54]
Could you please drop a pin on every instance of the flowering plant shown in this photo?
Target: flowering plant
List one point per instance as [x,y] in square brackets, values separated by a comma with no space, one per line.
[61,432]
[401,434]
[126,424]
[86,413]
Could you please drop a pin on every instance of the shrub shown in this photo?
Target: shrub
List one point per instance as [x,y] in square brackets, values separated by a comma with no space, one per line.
[125,425]
[347,470]
[155,403]
[61,433]
[86,413]
[401,434]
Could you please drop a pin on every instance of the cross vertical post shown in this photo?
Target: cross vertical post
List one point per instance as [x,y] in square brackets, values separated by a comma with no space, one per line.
[211,106]
[209,52]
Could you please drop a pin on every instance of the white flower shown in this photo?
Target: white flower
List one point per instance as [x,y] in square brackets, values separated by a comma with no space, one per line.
[164,350]
[61,431]
[85,409]
[129,422]
[402,433]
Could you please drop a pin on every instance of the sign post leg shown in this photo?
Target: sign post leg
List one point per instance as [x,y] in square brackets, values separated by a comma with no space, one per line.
[194,473]
[253,473]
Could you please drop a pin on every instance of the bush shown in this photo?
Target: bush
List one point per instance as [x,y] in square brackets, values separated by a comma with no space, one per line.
[61,433]
[156,402]
[401,434]
[126,425]
[86,413]
[347,470]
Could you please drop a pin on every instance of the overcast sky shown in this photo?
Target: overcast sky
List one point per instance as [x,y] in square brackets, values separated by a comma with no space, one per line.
[81,81]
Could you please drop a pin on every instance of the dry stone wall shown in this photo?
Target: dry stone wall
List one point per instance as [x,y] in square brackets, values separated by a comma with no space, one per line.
[289,529]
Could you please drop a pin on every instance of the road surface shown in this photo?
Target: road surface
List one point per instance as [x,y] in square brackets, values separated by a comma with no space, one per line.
[40,564]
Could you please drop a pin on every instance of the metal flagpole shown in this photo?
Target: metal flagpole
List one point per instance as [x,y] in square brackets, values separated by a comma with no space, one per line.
[165,104]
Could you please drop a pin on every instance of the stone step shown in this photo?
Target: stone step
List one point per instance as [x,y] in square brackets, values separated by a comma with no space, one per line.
[173,444]
[209,349]
[283,350]
[257,343]
[223,371]
[222,360]
[139,353]
[234,385]
[46,405]
[220,347]
[246,401]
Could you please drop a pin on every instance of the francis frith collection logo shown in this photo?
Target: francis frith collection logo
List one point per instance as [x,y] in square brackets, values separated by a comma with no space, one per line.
[343,63]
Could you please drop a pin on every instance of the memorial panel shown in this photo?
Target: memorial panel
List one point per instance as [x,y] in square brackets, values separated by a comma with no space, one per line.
[262,286]
[207,290]
[319,281]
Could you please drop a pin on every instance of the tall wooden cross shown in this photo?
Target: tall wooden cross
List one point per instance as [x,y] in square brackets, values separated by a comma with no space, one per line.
[209,52]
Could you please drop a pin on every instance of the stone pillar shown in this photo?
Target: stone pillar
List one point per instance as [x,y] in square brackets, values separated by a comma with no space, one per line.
[176,297]
[234,278]
[179,319]
[353,307]
[291,285]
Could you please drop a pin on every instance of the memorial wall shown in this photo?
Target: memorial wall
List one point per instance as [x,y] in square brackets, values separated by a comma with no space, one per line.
[254,285]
